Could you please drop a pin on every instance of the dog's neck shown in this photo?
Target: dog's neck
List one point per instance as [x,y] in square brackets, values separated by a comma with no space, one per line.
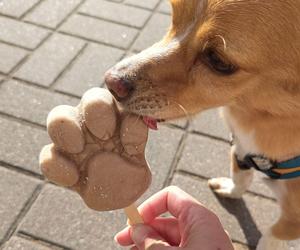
[275,136]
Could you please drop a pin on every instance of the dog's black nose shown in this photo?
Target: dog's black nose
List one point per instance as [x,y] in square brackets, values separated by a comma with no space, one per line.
[120,87]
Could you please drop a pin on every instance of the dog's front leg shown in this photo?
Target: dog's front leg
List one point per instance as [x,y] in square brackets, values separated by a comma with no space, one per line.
[235,186]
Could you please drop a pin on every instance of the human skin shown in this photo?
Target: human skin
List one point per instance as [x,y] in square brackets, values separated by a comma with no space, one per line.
[191,227]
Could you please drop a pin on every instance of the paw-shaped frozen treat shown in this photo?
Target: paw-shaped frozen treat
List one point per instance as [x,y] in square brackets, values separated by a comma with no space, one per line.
[98,151]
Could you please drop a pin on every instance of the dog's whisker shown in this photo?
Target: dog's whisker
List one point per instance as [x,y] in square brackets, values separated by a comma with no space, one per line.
[181,107]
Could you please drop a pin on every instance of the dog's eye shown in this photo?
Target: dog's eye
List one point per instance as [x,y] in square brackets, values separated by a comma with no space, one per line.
[216,63]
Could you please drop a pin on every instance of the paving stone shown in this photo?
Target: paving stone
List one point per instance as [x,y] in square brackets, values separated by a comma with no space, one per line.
[154,31]
[210,158]
[205,157]
[44,66]
[88,70]
[17,243]
[68,222]
[165,7]
[16,8]
[180,122]
[30,103]
[16,190]
[100,31]
[149,4]
[294,245]
[21,144]
[258,186]
[240,246]
[111,11]
[10,57]
[210,123]
[56,10]
[160,152]
[22,34]
[243,219]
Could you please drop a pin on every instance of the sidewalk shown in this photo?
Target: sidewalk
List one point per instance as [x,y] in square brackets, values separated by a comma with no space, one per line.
[51,52]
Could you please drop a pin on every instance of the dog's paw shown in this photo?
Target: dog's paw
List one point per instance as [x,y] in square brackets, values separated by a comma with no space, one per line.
[98,151]
[225,187]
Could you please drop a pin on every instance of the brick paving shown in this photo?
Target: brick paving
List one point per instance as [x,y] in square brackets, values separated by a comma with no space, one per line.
[51,52]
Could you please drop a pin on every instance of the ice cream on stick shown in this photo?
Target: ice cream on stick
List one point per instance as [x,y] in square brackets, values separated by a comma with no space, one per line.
[99,152]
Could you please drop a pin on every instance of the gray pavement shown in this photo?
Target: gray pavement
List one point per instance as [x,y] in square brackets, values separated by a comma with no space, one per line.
[51,52]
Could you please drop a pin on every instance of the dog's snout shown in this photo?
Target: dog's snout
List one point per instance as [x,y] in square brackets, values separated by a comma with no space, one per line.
[119,86]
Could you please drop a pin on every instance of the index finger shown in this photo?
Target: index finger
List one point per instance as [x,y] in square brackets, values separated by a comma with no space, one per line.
[171,199]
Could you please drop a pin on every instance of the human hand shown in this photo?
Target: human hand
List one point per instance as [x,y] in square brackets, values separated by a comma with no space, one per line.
[192,227]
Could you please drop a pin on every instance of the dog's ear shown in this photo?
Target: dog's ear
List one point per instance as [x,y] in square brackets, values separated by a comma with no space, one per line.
[186,11]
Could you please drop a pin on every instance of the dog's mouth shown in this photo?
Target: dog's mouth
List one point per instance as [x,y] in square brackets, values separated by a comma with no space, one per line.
[152,122]
[149,120]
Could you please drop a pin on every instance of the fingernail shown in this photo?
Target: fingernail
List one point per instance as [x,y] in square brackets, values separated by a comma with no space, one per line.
[115,238]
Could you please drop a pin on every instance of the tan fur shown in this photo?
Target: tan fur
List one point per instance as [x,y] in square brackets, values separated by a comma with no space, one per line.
[288,226]
[262,38]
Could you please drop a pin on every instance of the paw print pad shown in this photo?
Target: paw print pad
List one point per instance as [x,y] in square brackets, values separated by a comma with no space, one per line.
[97,151]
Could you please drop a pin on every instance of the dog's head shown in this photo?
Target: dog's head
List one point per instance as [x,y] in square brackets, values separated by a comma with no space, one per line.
[216,53]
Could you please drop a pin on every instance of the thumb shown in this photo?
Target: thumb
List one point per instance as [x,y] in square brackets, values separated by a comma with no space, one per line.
[146,238]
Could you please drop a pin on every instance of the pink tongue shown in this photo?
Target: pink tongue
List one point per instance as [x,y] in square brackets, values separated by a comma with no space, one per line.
[150,122]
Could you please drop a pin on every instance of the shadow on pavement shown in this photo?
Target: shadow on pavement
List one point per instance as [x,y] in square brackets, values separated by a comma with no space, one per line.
[239,210]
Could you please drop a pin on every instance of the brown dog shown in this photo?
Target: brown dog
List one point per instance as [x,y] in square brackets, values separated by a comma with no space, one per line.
[243,55]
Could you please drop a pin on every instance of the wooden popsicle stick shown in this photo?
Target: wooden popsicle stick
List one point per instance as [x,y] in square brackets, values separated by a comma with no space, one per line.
[133,215]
